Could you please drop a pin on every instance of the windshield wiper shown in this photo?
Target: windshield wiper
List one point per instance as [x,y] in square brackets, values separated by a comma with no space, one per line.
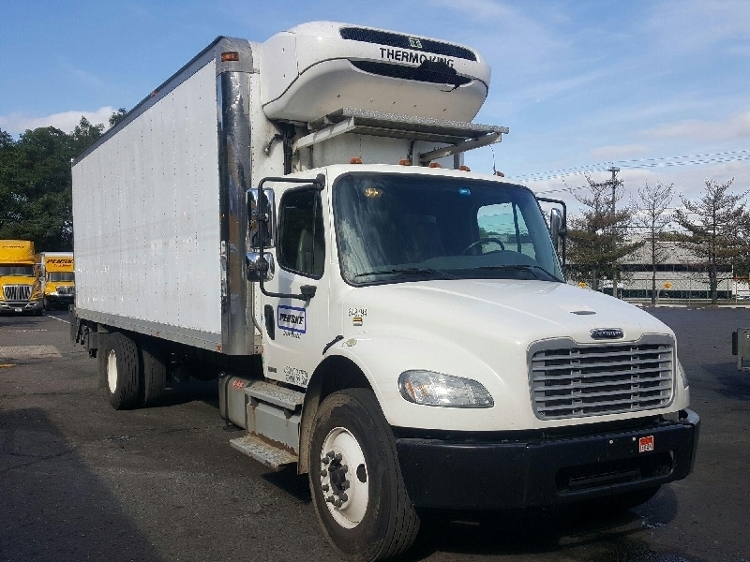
[521,267]
[408,271]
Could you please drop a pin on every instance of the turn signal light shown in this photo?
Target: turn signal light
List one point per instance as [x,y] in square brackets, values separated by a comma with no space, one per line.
[464,168]
[230,56]
[435,165]
[404,162]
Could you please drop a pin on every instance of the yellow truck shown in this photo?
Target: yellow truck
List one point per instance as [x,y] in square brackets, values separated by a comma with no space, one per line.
[58,279]
[20,287]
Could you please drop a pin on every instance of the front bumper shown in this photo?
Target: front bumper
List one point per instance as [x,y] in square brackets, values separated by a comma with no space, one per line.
[23,306]
[60,299]
[509,474]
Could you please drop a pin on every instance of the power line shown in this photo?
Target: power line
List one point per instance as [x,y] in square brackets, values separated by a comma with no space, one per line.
[643,163]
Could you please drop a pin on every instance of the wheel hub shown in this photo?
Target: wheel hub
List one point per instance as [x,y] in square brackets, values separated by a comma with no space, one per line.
[343,478]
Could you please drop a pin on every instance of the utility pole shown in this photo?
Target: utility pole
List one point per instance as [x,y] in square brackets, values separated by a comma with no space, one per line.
[614,182]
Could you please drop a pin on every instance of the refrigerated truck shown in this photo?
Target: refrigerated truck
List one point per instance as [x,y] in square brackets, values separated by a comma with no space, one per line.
[58,279]
[20,289]
[294,218]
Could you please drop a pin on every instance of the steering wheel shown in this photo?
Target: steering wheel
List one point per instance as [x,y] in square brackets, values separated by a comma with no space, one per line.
[483,241]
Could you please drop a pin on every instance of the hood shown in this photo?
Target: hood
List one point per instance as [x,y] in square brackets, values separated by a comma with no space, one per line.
[517,312]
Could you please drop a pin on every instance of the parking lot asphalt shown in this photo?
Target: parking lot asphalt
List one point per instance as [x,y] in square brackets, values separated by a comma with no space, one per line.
[80,481]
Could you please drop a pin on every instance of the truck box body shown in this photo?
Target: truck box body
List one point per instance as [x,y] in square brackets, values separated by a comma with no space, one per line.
[20,290]
[148,206]
[294,219]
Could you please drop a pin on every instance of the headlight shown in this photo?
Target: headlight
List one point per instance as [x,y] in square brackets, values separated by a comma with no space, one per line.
[435,389]
[683,375]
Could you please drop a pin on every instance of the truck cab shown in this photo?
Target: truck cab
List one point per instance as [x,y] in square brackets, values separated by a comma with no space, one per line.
[20,287]
[58,279]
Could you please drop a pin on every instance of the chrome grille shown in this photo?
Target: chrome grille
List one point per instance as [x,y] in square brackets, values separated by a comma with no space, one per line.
[576,381]
[65,290]
[17,292]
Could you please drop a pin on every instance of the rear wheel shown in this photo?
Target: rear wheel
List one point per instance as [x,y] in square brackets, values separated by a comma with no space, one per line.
[154,372]
[121,371]
[355,480]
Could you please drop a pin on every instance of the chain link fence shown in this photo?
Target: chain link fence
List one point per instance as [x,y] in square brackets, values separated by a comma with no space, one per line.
[678,289]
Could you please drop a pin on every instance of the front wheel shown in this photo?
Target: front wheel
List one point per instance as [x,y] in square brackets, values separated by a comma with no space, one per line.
[355,480]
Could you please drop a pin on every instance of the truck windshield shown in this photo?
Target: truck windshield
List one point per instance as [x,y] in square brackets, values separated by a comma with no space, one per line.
[24,270]
[61,276]
[394,228]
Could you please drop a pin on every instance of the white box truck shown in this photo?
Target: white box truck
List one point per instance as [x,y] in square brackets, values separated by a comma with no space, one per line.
[293,218]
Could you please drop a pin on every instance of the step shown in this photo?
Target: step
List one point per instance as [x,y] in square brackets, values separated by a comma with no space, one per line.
[264,451]
[275,394]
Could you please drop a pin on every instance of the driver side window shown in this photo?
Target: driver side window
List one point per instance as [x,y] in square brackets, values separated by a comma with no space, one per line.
[301,246]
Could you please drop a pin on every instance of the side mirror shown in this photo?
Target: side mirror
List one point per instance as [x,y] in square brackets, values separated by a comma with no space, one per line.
[558,231]
[269,204]
[257,267]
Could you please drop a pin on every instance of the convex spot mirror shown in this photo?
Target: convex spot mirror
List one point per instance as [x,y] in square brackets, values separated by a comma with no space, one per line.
[257,268]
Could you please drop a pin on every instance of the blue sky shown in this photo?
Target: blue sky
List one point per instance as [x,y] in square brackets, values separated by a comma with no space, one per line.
[643,85]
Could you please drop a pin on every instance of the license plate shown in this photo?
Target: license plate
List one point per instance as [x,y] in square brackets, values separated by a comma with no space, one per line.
[18,310]
[646,444]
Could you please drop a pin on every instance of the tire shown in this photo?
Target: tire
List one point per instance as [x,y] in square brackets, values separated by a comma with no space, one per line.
[122,371]
[154,372]
[355,480]
[101,358]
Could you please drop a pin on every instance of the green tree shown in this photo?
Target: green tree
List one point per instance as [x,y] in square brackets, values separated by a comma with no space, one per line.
[37,179]
[84,134]
[35,182]
[716,225]
[597,239]
[117,116]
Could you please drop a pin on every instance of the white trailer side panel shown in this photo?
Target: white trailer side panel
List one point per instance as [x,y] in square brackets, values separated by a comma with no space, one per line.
[146,209]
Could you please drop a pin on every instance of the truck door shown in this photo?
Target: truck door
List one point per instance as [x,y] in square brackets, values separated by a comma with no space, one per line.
[297,329]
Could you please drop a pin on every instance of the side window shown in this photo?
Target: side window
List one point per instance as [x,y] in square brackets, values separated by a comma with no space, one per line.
[301,246]
[503,224]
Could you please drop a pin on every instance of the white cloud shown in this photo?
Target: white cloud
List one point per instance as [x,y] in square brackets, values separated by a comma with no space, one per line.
[735,127]
[614,153]
[682,26]
[17,123]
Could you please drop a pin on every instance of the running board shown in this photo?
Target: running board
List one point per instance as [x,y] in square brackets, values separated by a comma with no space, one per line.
[271,455]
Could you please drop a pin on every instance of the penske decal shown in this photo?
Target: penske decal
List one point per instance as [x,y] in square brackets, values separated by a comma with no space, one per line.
[292,319]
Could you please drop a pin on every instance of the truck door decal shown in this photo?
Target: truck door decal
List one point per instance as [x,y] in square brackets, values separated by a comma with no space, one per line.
[292,319]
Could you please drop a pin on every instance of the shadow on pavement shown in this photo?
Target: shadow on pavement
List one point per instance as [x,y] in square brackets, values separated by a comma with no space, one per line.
[735,383]
[54,507]
[581,530]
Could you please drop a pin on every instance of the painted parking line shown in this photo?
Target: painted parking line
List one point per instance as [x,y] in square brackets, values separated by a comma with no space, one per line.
[58,319]
[28,351]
